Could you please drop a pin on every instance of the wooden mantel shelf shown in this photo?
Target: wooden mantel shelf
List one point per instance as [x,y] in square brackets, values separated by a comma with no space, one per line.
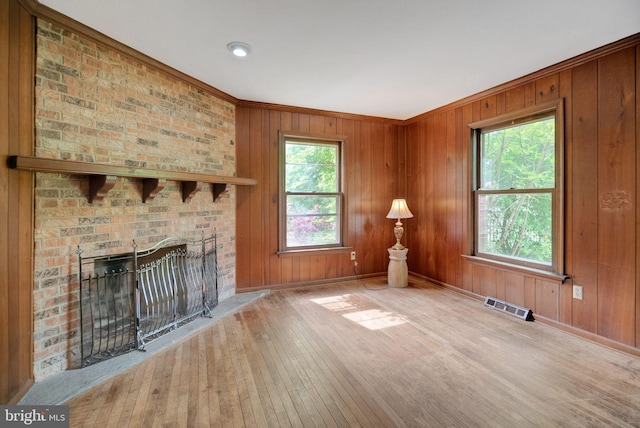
[103,177]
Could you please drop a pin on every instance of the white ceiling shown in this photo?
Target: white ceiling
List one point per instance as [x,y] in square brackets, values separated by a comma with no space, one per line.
[388,58]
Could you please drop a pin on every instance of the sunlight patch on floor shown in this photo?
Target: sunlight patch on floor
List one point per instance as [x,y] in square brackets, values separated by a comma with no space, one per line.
[375,319]
[335,303]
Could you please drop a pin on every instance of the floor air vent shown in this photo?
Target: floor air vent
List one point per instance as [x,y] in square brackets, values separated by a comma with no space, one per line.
[514,310]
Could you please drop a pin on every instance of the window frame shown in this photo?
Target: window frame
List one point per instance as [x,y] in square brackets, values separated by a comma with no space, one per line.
[334,140]
[553,109]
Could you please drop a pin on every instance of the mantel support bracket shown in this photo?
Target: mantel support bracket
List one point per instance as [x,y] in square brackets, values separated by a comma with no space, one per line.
[189,189]
[151,187]
[99,186]
[218,190]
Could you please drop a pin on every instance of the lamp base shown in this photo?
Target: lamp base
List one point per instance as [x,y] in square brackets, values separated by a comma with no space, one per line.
[398,274]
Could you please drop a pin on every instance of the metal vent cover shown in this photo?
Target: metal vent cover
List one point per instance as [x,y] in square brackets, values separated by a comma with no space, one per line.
[509,308]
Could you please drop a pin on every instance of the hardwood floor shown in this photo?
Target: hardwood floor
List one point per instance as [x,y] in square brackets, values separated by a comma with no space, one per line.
[345,355]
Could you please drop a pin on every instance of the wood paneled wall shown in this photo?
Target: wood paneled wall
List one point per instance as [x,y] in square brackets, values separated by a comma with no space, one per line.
[602,132]
[17,33]
[425,159]
[428,159]
[374,166]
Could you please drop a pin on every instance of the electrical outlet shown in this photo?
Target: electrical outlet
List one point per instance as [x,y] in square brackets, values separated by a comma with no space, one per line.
[353,255]
[577,292]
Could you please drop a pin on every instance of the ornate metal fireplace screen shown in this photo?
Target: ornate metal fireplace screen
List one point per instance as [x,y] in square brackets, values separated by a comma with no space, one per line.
[127,300]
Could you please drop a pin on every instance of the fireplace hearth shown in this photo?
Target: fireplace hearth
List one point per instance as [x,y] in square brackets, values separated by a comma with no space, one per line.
[129,299]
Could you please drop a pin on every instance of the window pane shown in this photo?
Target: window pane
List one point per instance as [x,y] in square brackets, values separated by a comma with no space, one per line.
[516,225]
[312,220]
[311,167]
[519,157]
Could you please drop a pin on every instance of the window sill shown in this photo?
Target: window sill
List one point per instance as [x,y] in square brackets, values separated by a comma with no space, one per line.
[509,267]
[314,252]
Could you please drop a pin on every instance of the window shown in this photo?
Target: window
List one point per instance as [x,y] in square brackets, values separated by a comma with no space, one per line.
[518,188]
[310,193]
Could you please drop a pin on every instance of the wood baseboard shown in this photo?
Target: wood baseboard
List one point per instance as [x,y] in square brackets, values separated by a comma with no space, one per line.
[21,393]
[592,337]
[552,323]
[304,284]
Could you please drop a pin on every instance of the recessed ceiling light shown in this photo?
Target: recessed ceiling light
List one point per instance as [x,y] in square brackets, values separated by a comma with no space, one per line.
[239,49]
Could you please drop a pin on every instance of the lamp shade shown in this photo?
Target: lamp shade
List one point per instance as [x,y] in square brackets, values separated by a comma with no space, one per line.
[399,209]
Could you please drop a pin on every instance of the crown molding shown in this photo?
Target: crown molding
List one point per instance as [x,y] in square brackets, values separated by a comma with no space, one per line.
[305,110]
[556,68]
[44,12]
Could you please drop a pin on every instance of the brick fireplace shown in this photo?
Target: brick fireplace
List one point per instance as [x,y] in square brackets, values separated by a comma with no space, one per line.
[95,104]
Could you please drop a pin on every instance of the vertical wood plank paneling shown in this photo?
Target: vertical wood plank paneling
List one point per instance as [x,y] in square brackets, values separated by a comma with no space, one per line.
[413,157]
[294,121]
[331,266]
[345,265]
[304,123]
[370,163]
[265,196]
[467,186]
[6,391]
[330,125]
[316,124]
[286,263]
[369,143]
[417,186]
[637,93]
[600,165]
[356,196]
[317,267]
[305,268]
[530,293]
[244,195]
[23,335]
[347,127]
[274,263]
[500,103]
[461,194]
[400,139]
[514,288]
[390,190]
[547,299]
[476,284]
[616,192]
[295,269]
[332,263]
[484,281]
[514,99]
[547,89]
[529,94]
[500,285]
[566,292]
[256,225]
[17,45]
[286,269]
[428,195]
[366,195]
[379,191]
[584,118]
[439,251]
[452,248]
[488,107]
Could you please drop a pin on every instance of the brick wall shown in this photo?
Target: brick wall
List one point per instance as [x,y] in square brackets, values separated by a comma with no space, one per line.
[94,104]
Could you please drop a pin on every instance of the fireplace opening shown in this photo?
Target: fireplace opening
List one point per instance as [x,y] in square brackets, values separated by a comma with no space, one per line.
[129,299]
